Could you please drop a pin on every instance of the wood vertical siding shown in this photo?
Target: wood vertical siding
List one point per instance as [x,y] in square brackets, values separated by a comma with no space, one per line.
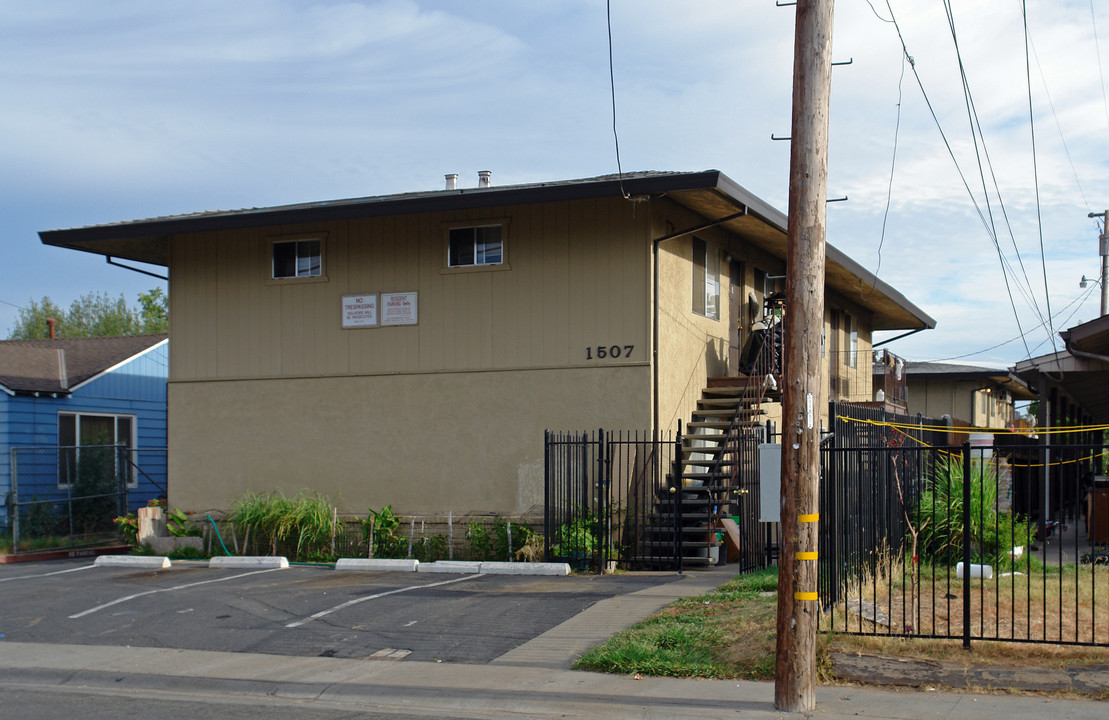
[577,276]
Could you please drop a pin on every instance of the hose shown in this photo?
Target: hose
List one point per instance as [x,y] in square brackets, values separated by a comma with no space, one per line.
[218,535]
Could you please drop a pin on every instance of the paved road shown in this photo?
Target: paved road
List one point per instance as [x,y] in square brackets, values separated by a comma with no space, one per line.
[306,611]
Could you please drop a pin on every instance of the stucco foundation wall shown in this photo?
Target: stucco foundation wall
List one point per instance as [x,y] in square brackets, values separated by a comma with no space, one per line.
[463,442]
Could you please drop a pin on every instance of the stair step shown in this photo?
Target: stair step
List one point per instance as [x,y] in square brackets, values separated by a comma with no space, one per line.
[709,462]
[694,475]
[743,381]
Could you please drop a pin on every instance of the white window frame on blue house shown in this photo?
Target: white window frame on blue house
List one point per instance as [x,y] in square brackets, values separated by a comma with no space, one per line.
[72,451]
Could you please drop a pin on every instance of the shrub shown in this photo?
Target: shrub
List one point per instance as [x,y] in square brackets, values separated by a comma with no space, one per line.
[385,541]
[993,533]
[308,520]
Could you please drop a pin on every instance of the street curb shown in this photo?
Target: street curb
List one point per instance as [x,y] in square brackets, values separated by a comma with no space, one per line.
[450,566]
[256,561]
[519,568]
[134,561]
[378,565]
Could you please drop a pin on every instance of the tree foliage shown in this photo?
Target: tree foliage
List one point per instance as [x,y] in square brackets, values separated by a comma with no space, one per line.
[95,314]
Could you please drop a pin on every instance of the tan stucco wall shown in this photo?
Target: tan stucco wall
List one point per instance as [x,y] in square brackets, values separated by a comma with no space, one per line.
[461,442]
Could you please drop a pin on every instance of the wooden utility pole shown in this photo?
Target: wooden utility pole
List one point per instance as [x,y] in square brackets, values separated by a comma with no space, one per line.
[795,668]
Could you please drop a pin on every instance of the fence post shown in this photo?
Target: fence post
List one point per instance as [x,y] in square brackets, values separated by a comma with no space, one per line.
[676,490]
[600,546]
[966,544]
[547,496]
[15,503]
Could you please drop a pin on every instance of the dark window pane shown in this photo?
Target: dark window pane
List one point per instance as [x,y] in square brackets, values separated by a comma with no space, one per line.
[461,250]
[67,456]
[98,430]
[699,276]
[284,259]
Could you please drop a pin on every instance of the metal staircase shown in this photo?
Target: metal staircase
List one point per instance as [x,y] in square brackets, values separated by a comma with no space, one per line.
[705,479]
[716,467]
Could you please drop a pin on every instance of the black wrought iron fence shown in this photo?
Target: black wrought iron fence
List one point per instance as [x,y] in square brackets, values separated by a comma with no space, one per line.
[602,491]
[65,497]
[989,542]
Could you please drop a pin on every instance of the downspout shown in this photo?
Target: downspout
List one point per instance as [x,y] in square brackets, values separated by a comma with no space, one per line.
[1081,353]
[654,349]
[134,269]
[905,335]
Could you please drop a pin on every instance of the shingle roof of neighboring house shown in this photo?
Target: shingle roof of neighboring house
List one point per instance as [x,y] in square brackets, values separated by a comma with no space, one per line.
[919,369]
[57,366]
[710,193]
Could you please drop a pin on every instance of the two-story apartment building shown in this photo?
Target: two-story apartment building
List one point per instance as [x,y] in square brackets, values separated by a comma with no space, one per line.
[411,349]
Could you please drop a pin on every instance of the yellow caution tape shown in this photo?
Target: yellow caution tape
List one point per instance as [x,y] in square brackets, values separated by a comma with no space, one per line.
[805,556]
[805,596]
[808,518]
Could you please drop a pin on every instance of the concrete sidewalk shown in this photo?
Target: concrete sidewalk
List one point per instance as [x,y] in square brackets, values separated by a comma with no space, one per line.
[533,680]
[481,691]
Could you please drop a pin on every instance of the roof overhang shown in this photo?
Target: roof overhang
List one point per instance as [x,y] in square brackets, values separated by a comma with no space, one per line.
[710,194]
[1080,370]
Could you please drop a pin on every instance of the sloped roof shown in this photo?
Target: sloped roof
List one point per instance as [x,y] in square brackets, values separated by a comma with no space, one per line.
[708,193]
[1000,377]
[58,366]
[1081,370]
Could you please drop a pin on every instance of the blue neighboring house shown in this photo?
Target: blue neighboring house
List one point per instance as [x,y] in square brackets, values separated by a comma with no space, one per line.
[58,395]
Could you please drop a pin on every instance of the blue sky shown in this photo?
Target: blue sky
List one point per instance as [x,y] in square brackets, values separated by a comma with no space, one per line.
[124,110]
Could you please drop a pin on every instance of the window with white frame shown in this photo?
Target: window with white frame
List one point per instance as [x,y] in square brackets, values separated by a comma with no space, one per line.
[706,279]
[475,246]
[297,258]
[852,341]
[90,442]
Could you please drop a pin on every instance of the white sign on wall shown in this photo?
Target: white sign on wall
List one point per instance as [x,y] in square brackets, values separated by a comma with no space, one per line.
[398,308]
[360,310]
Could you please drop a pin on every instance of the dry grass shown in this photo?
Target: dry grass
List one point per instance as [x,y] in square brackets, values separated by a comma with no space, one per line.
[1041,605]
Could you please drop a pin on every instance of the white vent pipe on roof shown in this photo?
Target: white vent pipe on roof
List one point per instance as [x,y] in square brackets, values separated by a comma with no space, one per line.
[484,178]
[452,181]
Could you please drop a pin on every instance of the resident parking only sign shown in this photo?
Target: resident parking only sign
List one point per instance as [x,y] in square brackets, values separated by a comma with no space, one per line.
[360,310]
[398,308]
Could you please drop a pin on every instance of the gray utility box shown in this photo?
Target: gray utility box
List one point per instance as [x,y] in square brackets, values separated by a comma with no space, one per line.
[770,482]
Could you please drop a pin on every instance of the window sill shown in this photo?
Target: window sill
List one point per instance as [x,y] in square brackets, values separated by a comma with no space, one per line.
[474,269]
[296,281]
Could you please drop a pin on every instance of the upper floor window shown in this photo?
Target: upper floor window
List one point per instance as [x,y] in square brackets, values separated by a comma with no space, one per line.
[706,279]
[852,341]
[481,245]
[297,259]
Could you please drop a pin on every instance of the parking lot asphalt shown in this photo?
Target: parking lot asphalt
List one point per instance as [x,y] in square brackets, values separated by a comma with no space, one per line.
[303,610]
[68,627]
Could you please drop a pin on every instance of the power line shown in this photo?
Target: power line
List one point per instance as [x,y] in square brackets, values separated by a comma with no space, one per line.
[1035,168]
[976,132]
[1101,73]
[1077,302]
[612,88]
[1058,125]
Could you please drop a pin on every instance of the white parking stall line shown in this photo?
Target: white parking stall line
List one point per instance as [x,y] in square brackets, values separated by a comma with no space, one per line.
[56,572]
[98,608]
[324,613]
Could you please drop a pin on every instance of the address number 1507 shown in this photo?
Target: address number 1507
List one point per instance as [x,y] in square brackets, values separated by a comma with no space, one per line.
[601,352]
